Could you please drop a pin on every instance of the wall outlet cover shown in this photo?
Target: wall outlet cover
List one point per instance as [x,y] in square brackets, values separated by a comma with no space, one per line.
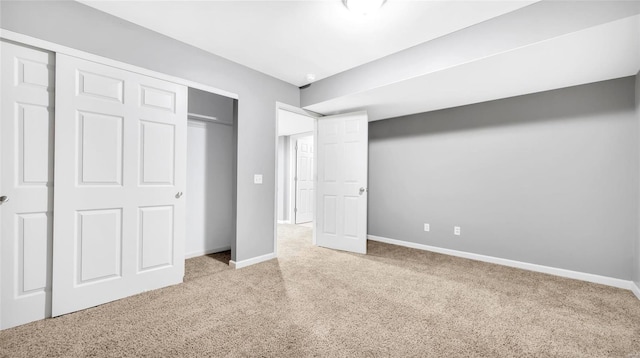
[427,227]
[456,230]
[257,179]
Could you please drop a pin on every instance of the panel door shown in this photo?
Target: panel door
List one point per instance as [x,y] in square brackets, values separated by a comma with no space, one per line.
[304,180]
[341,191]
[120,157]
[26,182]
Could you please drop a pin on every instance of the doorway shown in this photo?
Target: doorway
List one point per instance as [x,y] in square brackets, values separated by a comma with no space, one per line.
[337,163]
[295,163]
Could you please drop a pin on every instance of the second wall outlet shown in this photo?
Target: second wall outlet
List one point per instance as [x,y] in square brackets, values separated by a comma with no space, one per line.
[426,227]
[456,230]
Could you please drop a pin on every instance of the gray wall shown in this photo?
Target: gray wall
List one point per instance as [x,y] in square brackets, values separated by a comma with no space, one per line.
[548,178]
[81,27]
[636,270]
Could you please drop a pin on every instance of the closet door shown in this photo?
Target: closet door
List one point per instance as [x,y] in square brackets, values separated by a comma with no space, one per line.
[120,159]
[26,184]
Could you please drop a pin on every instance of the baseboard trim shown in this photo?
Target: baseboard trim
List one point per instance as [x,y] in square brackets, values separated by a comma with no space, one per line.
[603,280]
[635,288]
[206,252]
[251,261]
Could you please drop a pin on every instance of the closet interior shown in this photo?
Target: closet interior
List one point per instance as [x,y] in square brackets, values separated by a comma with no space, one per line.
[211,173]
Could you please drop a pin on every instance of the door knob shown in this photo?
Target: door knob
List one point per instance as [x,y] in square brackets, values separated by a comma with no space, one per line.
[178,195]
[362,190]
[3,199]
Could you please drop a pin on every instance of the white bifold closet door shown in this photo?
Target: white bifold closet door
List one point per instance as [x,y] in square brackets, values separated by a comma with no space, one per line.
[26,184]
[120,169]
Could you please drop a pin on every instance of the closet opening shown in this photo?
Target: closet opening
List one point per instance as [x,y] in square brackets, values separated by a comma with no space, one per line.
[295,194]
[211,175]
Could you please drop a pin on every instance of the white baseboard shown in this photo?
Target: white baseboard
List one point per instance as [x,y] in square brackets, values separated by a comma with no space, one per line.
[635,288]
[603,280]
[252,261]
[206,252]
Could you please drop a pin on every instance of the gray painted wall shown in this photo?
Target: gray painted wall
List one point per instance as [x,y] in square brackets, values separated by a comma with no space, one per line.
[81,27]
[636,270]
[548,178]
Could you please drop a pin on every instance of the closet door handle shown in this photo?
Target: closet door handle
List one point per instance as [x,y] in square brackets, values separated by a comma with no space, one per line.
[3,199]
[179,195]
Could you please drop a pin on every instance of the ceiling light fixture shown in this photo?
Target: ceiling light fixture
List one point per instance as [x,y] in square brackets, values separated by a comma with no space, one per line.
[363,7]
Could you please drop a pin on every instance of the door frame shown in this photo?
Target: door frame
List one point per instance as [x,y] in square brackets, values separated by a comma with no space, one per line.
[287,107]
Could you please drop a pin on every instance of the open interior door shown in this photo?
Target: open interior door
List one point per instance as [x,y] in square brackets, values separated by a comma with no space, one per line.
[341,191]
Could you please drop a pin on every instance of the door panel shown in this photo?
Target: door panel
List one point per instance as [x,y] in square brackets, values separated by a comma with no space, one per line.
[156,246]
[33,232]
[304,180]
[99,244]
[156,148]
[26,178]
[341,198]
[120,228]
[100,149]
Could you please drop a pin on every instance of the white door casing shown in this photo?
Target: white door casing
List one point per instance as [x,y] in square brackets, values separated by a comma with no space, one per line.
[304,180]
[26,179]
[341,190]
[120,158]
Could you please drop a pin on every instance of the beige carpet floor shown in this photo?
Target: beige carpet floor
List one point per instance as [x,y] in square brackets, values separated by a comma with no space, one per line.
[315,302]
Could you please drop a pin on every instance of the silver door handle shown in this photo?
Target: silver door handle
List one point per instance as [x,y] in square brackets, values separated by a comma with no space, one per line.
[178,195]
[3,199]
[362,190]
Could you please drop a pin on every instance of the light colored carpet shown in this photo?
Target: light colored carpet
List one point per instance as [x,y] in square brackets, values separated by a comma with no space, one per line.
[318,302]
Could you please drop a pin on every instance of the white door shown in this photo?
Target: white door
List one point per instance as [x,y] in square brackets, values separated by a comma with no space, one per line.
[26,184]
[304,180]
[341,191]
[120,158]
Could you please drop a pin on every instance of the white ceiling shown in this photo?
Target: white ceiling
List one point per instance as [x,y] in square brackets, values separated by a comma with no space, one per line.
[608,51]
[289,39]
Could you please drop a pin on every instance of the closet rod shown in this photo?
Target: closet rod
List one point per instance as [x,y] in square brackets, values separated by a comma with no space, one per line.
[202,116]
[208,119]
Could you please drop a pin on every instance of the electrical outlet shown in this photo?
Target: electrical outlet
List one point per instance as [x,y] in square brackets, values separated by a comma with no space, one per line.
[426,227]
[257,179]
[456,230]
